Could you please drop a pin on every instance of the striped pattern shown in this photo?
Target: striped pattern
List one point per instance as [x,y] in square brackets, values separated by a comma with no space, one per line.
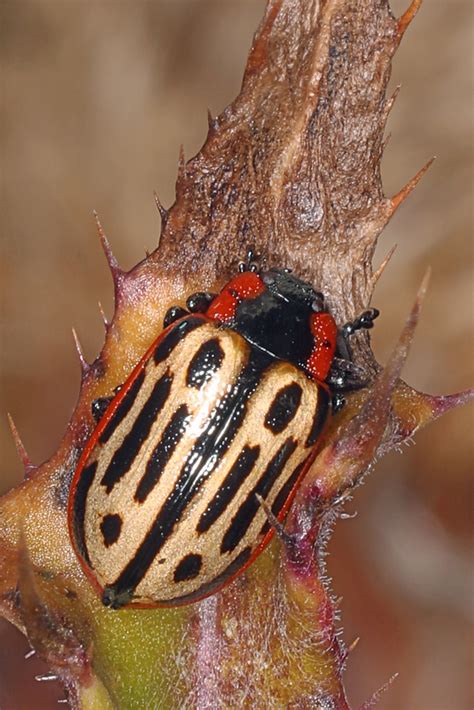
[165,509]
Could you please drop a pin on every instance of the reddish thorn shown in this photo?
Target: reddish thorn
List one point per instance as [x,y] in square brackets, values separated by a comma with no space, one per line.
[401,196]
[383,266]
[386,141]
[28,465]
[84,364]
[400,353]
[210,120]
[274,522]
[212,123]
[103,316]
[162,210]
[443,403]
[181,164]
[407,17]
[112,261]
[393,98]
[258,55]
[389,104]
[365,431]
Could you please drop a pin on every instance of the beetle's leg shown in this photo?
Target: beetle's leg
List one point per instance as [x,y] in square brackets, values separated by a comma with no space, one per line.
[279,528]
[346,375]
[100,405]
[200,301]
[364,321]
[173,314]
[338,402]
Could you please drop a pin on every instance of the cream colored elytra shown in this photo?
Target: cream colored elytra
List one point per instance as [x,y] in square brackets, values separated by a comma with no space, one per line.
[258,447]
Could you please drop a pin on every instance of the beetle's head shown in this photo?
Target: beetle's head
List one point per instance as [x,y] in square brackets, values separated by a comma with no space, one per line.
[283,284]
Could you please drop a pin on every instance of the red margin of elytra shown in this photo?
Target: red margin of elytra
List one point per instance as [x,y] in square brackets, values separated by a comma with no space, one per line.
[92,441]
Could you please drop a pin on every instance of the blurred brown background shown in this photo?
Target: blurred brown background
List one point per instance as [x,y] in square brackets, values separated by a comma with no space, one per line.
[97,96]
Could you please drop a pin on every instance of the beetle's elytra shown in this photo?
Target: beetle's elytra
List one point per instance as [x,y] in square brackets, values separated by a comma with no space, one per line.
[227,405]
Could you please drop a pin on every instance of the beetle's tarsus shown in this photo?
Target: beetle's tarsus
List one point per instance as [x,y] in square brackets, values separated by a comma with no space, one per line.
[338,402]
[173,314]
[364,321]
[100,405]
[200,301]
[344,374]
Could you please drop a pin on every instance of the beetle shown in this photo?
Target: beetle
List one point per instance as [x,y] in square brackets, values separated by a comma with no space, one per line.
[205,443]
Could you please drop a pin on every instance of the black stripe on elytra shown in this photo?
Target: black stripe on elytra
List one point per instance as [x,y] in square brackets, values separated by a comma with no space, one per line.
[248,509]
[110,527]
[126,453]
[205,363]
[320,416]
[79,509]
[238,472]
[221,427]
[283,408]
[283,494]
[241,559]
[188,568]
[162,453]
[175,336]
[123,409]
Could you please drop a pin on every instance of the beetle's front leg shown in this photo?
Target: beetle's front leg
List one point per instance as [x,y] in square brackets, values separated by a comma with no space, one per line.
[173,314]
[345,375]
[100,405]
[364,321]
[200,301]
